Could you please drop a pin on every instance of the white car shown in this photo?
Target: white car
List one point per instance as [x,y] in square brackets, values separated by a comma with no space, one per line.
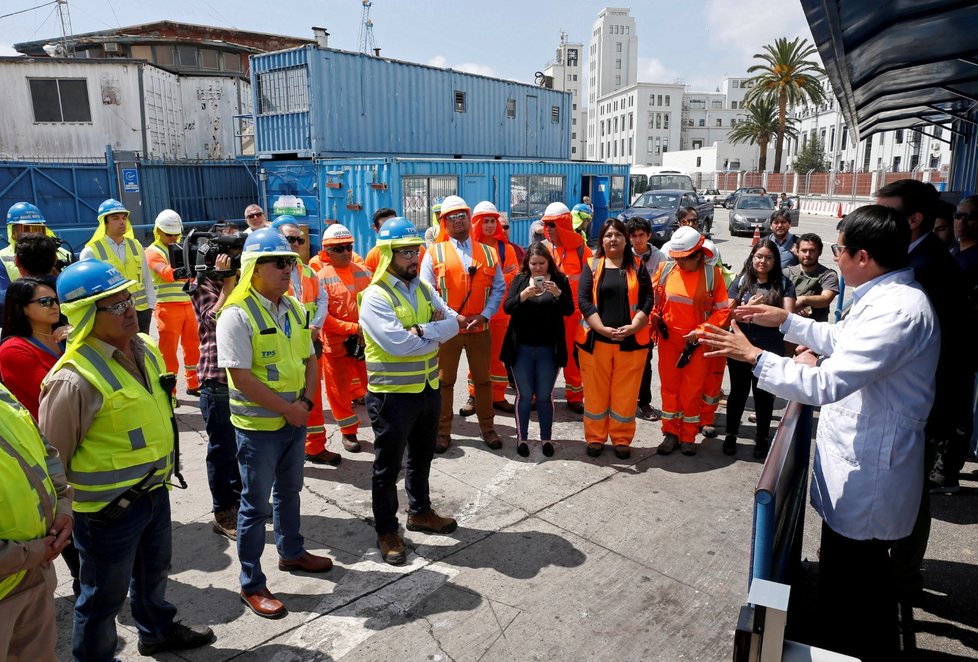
[714,197]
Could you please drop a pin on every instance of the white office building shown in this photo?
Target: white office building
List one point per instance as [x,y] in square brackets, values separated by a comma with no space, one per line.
[565,73]
[612,66]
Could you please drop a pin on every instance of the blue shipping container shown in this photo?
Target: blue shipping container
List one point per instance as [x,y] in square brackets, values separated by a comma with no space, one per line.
[317,102]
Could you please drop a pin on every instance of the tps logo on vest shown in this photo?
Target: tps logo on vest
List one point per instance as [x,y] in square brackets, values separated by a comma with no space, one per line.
[268,353]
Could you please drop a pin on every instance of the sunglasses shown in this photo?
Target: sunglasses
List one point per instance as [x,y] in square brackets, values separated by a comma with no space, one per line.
[279,262]
[505,227]
[255,214]
[408,252]
[962,216]
[342,248]
[296,240]
[45,302]
[551,225]
[117,309]
[457,217]
[689,222]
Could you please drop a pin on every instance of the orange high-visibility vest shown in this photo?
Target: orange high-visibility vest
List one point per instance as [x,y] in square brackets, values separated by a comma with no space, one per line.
[464,293]
[310,290]
[631,277]
[686,302]
[342,287]
[571,263]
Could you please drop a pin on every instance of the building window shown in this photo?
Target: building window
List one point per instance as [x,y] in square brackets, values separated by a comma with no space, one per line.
[618,47]
[733,105]
[716,104]
[421,192]
[702,122]
[187,56]
[719,122]
[733,123]
[555,114]
[667,101]
[459,101]
[618,81]
[232,62]
[736,84]
[283,91]
[898,138]
[615,124]
[658,120]
[832,140]
[209,59]
[651,146]
[697,144]
[60,100]
[935,162]
[511,109]
[651,121]
[938,131]
[617,64]
[699,161]
[631,121]
[845,138]
[573,136]
[658,100]
[164,55]
[630,139]
[529,195]
[896,164]
[665,120]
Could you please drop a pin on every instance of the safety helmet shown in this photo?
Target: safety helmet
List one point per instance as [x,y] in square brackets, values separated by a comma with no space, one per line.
[711,250]
[582,209]
[111,206]
[90,279]
[436,206]
[24,213]
[485,207]
[685,241]
[169,222]
[399,231]
[337,234]
[555,209]
[452,204]
[284,219]
[267,240]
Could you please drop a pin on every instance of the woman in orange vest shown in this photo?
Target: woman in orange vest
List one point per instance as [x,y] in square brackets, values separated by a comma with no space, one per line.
[346,374]
[615,299]
[688,294]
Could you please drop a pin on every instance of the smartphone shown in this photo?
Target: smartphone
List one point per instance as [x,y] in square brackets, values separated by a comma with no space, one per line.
[538,281]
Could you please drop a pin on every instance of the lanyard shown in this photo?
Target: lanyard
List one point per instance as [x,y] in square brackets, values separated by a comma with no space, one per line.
[37,343]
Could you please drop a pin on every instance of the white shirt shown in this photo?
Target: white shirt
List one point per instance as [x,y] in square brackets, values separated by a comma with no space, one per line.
[234,347]
[379,321]
[876,383]
[122,252]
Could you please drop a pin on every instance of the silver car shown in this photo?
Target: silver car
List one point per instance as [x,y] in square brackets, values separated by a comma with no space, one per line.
[749,212]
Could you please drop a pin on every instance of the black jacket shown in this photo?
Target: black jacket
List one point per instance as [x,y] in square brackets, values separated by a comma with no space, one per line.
[520,314]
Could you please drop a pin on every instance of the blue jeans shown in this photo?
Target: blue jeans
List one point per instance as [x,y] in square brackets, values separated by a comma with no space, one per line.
[127,555]
[270,464]
[535,372]
[223,476]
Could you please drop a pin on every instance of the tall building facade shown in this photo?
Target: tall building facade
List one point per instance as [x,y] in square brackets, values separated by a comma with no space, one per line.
[612,65]
[564,73]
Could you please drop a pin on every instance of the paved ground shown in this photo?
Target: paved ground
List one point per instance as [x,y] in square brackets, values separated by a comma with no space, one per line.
[566,558]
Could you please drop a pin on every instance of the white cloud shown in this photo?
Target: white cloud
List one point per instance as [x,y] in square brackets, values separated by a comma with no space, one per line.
[438,61]
[7,49]
[747,25]
[652,70]
[441,62]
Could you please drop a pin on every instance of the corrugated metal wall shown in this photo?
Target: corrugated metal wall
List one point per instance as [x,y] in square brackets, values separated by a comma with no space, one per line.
[363,105]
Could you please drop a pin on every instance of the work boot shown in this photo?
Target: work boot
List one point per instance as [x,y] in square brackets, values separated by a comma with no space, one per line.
[504,406]
[325,457]
[576,407]
[594,449]
[709,431]
[431,522]
[351,443]
[226,523]
[623,452]
[668,445]
[468,408]
[492,440]
[687,448]
[442,442]
[392,548]
[649,413]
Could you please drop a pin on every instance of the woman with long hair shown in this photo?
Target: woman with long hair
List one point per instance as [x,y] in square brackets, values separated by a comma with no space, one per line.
[761,282]
[534,348]
[615,299]
[32,342]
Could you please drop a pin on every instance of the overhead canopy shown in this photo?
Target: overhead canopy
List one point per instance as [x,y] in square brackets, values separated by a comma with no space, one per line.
[898,64]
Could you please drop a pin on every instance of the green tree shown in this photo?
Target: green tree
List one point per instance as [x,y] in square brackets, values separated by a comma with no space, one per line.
[760,127]
[810,157]
[787,76]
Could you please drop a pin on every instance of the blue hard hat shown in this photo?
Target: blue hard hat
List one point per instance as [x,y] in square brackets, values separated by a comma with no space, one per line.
[89,278]
[24,213]
[111,206]
[284,219]
[400,231]
[266,240]
[581,208]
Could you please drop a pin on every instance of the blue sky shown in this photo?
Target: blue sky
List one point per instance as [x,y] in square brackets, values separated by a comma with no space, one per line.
[700,41]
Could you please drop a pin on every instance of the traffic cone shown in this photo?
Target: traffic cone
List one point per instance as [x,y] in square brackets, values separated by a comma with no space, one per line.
[757,236]
[838,214]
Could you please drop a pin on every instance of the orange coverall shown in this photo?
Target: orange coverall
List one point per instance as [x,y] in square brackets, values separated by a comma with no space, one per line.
[175,320]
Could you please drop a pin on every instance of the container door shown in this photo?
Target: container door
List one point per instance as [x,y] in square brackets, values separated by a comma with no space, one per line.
[599,200]
[130,186]
[532,127]
[475,189]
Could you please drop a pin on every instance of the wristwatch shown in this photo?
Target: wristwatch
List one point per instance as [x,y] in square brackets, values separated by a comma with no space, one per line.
[417,329]
[306,401]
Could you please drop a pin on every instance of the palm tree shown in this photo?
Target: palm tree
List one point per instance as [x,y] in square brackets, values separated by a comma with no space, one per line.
[786,75]
[760,127]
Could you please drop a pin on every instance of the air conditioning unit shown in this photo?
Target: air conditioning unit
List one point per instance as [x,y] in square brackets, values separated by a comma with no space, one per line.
[112,47]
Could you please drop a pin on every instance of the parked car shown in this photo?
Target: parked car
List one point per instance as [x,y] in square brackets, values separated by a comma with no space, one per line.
[749,212]
[714,197]
[744,190]
[793,205]
[660,208]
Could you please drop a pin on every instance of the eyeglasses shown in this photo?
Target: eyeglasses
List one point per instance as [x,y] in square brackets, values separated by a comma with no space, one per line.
[45,302]
[255,214]
[689,222]
[279,262]
[295,240]
[963,216]
[407,252]
[505,227]
[457,216]
[117,309]
[764,258]
[342,248]
[837,249]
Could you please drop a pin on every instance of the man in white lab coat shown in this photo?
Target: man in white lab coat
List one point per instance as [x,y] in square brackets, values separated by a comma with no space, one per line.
[873,374]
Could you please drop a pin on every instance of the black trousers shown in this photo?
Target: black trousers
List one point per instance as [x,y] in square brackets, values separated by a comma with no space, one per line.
[742,381]
[145,318]
[857,607]
[645,388]
[402,420]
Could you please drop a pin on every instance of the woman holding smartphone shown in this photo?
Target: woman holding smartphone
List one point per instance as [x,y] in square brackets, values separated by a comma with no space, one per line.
[534,348]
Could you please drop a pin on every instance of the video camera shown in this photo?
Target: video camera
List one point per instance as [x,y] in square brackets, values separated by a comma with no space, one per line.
[197,255]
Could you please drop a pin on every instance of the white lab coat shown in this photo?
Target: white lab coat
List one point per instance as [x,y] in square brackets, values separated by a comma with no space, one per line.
[876,382]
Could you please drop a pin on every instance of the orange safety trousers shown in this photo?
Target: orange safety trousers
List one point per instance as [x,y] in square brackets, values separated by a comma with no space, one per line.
[177,324]
[316,424]
[340,372]
[711,389]
[682,389]
[611,381]
[497,371]
[573,386]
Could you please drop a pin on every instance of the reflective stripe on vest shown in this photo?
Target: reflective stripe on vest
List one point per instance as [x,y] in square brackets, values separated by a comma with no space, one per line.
[130,437]
[132,268]
[464,291]
[387,373]
[167,291]
[642,336]
[278,361]
[706,307]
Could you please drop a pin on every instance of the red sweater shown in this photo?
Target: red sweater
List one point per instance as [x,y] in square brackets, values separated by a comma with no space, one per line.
[23,366]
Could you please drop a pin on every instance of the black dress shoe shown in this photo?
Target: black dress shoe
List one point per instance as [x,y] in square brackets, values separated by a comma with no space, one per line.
[522,449]
[181,638]
[548,449]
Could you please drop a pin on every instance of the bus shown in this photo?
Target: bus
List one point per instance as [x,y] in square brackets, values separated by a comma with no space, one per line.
[657,178]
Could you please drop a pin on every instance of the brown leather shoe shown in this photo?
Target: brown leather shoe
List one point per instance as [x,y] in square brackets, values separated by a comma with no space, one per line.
[226,523]
[431,522]
[325,457]
[468,408]
[306,563]
[392,548]
[492,440]
[442,442]
[504,406]
[351,443]
[264,604]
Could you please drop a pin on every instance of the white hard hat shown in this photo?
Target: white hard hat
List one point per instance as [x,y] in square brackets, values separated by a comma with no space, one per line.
[169,222]
[555,209]
[711,248]
[337,234]
[485,207]
[452,204]
[685,241]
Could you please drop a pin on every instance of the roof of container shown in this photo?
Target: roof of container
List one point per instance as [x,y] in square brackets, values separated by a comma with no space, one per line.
[899,64]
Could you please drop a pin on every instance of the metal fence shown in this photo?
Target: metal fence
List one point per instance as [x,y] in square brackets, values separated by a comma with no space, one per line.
[839,185]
